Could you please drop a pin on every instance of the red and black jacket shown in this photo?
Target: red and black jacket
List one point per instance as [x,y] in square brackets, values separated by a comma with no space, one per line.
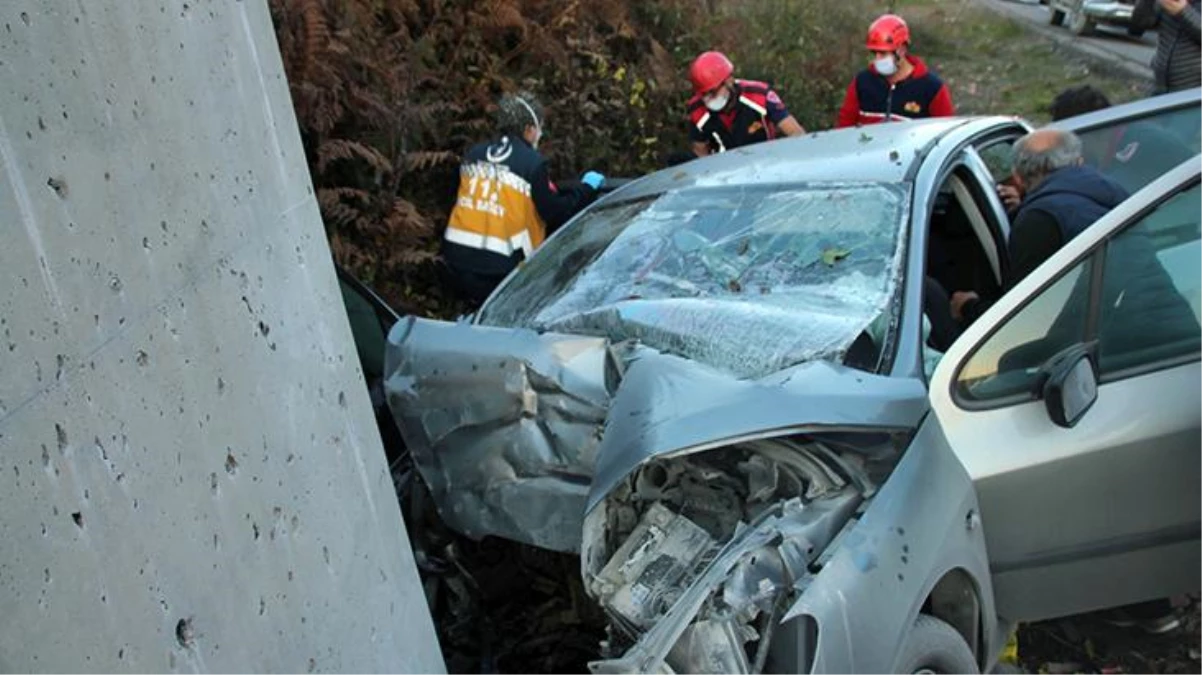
[871,98]
[752,118]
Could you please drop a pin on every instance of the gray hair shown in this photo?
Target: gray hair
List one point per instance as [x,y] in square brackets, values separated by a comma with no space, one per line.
[517,111]
[1034,164]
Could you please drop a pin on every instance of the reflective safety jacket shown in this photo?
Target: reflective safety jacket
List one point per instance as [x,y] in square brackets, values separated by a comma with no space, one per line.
[506,206]
[871,98]
[752,119]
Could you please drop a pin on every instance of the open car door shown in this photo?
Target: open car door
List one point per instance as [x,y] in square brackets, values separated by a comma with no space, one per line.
[1073,404]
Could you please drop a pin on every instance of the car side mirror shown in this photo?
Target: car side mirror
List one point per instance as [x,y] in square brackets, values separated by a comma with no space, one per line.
[1070,387]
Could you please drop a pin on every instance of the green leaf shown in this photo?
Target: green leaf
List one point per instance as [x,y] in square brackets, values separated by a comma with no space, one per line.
[834,254]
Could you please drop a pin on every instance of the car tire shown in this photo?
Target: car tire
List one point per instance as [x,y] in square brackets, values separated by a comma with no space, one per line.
[1135,32]
[1080,24]
[1055,17]
[933,646]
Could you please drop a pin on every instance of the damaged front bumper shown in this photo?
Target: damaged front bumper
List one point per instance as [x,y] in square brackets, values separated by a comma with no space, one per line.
[503,425]
[696,558]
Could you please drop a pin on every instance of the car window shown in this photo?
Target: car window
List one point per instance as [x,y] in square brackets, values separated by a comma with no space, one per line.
[998,158]
[1150,311]
[1136,152]
[1147,309]
[1007,364]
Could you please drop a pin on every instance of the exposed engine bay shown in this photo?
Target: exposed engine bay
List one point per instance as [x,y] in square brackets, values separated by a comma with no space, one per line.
[696,558]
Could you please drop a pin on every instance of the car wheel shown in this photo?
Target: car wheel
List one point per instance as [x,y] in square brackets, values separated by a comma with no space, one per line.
[1135,32]
[1055,17]
[1080,24]
[934,647]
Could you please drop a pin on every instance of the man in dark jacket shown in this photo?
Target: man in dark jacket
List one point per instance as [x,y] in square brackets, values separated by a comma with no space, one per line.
[1178,61]
[896,85]
[1060,198]
[507,203]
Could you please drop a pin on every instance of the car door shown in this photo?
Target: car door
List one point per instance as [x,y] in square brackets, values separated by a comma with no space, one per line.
[1137,142]
[1103,510]
[370,320]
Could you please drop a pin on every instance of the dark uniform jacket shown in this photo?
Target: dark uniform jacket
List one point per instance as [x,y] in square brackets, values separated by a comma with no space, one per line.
[506,206]
[753,118]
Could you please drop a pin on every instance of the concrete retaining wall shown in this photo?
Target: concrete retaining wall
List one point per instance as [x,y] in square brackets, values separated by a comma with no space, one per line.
[190,475]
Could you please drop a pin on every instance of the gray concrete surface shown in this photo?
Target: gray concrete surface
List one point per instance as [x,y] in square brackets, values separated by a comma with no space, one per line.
[1110,45]
[190,475]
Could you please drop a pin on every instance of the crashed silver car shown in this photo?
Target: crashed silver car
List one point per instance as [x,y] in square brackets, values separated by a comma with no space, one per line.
[716,386]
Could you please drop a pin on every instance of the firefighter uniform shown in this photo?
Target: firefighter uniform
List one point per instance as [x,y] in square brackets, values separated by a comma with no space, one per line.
[752,119]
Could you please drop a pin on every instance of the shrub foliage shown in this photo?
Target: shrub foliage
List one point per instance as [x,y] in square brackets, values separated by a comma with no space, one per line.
[389,93]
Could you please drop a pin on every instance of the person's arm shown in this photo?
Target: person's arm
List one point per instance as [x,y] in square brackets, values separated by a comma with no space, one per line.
[1034,237]
[790,126]
[1144,14]
[941,105]
[557,206]
[779,115]
[849,113]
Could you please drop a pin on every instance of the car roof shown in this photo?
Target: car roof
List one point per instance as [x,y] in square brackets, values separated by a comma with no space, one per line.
[877,153]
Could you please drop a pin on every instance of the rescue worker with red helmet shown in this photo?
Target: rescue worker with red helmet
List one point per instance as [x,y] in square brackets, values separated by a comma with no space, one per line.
[726,112]
[896,85]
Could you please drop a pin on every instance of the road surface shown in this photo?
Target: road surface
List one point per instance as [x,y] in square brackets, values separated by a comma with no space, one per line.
[1112,45]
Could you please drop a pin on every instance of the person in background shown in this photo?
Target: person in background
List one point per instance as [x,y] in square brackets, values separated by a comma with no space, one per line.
[1177,63]
[1077,100]
[507,204]
[725,112]
[896,85]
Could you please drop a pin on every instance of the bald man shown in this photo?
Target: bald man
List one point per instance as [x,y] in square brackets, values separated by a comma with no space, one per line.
[1060,197]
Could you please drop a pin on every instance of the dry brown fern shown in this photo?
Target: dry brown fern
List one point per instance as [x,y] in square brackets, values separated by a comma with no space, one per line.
[316,34]
[336,149]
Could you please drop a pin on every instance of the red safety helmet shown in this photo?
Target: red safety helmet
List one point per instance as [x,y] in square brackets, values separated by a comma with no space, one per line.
[710,70]
[887,33]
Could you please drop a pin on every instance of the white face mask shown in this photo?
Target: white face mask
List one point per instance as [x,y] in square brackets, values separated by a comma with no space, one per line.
[885,65]
[717,103]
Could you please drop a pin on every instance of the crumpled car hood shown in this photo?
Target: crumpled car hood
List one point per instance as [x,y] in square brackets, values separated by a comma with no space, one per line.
[503,425]
[668,404]
[506,425]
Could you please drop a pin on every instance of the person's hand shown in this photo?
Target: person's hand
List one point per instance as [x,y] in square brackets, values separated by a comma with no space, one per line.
[959,299]
[592,179]
[1009,196]
[1173,7]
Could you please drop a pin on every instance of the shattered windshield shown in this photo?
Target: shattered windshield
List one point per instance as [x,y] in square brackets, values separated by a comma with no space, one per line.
[749,280]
